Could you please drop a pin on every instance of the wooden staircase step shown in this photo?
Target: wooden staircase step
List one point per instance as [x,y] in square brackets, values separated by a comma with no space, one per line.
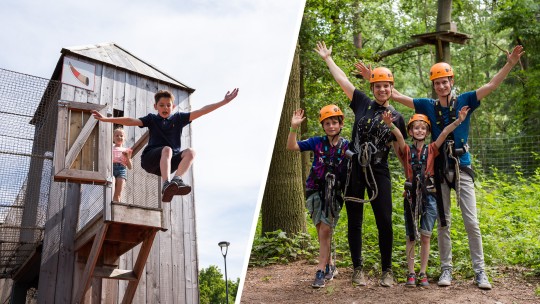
[116,274]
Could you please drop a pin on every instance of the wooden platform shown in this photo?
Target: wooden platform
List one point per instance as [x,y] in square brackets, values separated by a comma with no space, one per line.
[100,244]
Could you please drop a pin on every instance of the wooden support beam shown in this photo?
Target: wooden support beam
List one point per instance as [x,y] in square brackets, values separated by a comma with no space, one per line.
[423,39]
[400,49]
[140,143]
[61,137]
[81,176]
[91,263]
[139,267]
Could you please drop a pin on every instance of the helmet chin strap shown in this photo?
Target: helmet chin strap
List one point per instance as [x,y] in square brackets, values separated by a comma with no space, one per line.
[333,137]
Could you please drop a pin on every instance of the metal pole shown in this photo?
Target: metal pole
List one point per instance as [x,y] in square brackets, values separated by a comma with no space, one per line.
[226,246]
[226,281]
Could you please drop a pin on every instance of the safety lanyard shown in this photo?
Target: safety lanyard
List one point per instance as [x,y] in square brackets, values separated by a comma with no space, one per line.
[418,164]
[440,117]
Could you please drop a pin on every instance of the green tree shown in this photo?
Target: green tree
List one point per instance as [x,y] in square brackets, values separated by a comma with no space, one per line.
[282,207]
[212,287]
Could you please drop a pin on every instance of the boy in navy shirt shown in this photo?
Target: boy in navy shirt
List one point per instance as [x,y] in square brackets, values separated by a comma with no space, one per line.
[162,154]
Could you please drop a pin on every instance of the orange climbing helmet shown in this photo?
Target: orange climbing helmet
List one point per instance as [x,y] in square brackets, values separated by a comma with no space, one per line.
[441,69]
[418,117]
[381,74]
[330,111]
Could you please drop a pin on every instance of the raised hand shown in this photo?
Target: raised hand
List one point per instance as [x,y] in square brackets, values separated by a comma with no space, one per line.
[97,115]
[364,70]
[297,118]
[231,95]
[513,57]
[463,113]
[387,117]
[322,50]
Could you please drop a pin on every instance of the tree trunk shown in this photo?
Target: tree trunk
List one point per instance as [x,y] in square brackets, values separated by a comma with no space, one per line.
[283,200]
[306,156]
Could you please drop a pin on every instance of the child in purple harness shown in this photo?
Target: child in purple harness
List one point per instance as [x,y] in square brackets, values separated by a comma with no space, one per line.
[162,154]
[325,182]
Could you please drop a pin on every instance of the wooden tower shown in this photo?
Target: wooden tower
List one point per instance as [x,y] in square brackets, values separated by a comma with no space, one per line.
[94,250]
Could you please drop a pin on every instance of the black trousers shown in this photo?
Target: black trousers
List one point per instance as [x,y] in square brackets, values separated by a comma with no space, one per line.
[382,209]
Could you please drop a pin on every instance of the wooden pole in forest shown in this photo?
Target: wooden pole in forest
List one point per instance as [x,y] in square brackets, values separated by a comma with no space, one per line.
[444,14]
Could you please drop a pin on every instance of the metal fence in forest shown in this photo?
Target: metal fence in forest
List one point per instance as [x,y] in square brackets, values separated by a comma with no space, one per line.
[506,154]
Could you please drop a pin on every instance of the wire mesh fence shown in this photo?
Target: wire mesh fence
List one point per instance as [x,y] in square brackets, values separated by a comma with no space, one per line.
[26,145]
[507,154]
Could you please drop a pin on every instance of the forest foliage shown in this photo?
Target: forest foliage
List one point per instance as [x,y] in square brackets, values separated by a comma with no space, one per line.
[512,110]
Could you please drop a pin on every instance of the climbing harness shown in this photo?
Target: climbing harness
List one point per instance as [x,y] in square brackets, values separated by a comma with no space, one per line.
[451,173]
[416,191]
[370,149]
[328,186]
[367,150]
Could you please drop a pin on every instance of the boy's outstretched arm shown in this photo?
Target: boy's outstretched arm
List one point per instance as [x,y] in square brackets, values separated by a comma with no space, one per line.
[337,73]
[512,59]
[125,121]
[296,121]
[404,100]
[211,107]
[451,127]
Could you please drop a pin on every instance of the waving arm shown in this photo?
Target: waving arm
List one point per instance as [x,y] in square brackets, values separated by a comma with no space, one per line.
[296,121]
[512,59]
[337,73]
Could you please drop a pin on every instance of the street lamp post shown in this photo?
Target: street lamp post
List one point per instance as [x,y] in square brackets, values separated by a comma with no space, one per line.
[226,246]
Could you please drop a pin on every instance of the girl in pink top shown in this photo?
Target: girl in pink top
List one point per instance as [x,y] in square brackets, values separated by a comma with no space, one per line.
[121,162]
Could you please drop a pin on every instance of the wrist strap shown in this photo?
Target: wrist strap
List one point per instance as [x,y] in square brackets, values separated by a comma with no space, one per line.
[292,130]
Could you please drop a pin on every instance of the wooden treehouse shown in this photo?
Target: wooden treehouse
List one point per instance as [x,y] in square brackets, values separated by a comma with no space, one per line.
[95,250]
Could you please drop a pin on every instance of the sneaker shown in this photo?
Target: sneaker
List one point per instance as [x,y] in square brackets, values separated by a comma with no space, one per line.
[168,191]
[422,280]
[330,272]
[411,280]
[481,279]
[446,278]
[387,278]
[319,279]
[183,189]
[358,277]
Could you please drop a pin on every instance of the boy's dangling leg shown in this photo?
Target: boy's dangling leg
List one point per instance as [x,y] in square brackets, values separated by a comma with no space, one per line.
[186,159]
[168,189]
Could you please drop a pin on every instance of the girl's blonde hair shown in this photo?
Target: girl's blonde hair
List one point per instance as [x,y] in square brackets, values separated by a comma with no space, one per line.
[119,129]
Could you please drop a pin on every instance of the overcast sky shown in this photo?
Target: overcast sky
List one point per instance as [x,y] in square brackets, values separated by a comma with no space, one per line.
[212,46]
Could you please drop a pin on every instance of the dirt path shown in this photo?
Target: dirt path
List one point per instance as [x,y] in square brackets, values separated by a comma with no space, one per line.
[292,284]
